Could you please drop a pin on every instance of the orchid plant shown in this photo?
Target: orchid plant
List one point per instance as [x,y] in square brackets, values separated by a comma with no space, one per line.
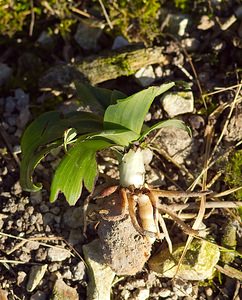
[119,126]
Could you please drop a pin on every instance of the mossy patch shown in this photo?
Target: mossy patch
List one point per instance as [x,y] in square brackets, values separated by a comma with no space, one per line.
[137,20]
[233,172]
[198,263]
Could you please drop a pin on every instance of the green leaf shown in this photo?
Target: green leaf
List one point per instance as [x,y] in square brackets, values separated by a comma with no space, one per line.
[130,112]
[77,167]
[96,97]
[168,123]
[45,134]
[120,137]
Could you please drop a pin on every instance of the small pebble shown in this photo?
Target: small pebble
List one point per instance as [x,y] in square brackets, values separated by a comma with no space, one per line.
[53,267]
[57,254]
[41,254]
[79,271]
[35,276]
[21,277]
[164,293]
[142,294]
[209,291]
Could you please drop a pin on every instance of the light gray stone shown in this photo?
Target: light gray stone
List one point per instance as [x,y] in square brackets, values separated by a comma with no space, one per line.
[57,254]
[79,271]
[176,142]
[164,293]
[61,291]
[198,263]
[100,275]
[178,103]
[142,294]
[145,76]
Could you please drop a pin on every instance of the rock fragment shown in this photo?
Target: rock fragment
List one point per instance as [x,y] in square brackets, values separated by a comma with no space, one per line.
[61,291]
[198,264]
[145,76]
[36,275]
[124,250]
[176,142]
[178,103]
[100,275]
[57,254]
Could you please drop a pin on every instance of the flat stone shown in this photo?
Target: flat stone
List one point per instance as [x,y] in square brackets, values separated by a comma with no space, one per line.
[142,294]
[176,142]
[164,293]
[61,291]
[100,275]
[57,254]
[178,103]
[36,275]
[198,263]
[145,76]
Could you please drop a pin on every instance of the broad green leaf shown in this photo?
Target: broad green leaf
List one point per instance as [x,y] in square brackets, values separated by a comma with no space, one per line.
[77,167]
[168,123]
[120,137]
[43,135]
[130,112]
[96,97]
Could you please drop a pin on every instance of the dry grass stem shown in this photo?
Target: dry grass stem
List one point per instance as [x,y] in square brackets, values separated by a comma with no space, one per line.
[80,12]
[208,205]
[222,89]
[106,14]
[37,239]
[165,231]
[163,153]
[232,106]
